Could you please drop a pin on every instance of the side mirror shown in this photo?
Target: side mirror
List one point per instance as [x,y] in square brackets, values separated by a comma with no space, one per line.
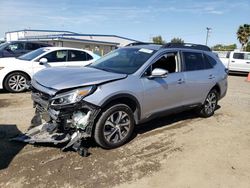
[158,73]
[43,61]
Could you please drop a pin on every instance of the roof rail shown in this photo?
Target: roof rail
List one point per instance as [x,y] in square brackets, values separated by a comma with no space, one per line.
[139,43]
[187,45]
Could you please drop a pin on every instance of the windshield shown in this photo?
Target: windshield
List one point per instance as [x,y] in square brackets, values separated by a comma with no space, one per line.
[123,60]
[3,45]
[33,54]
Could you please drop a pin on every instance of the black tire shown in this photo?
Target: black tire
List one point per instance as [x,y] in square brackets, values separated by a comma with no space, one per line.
[208,108]
[15,82]
[110,130]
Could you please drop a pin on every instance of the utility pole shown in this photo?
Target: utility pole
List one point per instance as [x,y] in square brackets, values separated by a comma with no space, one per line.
[208,32]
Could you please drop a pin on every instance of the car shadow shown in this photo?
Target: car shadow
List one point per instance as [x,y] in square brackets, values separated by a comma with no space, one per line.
[168,121]
[8,150]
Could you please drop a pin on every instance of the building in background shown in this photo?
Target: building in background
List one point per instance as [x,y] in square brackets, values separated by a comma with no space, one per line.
[100,44]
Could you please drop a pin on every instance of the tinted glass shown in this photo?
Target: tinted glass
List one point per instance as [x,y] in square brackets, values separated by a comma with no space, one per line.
[238,56]
[78,56]
[56,56]
[32,55]
[123,60]
[194,61]
[210,61]
[32,46]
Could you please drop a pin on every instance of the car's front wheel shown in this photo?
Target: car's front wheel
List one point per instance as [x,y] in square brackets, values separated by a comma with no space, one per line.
[114,127]
[210,104]
[15,82]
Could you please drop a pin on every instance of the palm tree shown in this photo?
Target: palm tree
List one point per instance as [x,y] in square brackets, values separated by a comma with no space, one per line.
[243,34]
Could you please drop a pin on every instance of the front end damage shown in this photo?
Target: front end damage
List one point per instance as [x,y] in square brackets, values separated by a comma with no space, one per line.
[69,124]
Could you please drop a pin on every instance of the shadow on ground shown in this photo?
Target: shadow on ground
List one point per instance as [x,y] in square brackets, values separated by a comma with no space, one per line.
[8,149]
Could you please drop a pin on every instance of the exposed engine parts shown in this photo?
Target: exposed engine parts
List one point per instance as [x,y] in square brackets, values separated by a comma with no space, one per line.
[68,126]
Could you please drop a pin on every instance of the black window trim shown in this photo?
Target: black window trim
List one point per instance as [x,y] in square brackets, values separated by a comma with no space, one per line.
[184,63]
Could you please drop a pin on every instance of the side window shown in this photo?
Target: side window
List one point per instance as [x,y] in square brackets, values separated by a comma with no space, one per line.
[209,61]
[32,46]
[15,47]
[56,56]
[194,61]
[167,62]
[78,56]
[88,57]
[247,56]
[238,56]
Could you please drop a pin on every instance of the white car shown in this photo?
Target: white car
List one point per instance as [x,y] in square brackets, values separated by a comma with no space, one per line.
[15,72]
[237,61]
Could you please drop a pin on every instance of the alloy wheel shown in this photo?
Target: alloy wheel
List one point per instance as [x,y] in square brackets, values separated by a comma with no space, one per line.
[210,103]
[116,127]
[17,82]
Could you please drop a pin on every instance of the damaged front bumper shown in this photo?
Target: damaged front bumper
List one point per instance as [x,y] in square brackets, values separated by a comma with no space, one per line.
[68,124]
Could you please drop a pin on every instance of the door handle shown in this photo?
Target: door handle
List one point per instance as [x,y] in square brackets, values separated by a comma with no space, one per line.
[232,61]
[211,76]
[248,62]
[180,81]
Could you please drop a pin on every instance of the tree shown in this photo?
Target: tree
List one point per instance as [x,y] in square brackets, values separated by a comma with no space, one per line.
[177,40]
[220,47]
[158,40]
[248,47]
[243,35]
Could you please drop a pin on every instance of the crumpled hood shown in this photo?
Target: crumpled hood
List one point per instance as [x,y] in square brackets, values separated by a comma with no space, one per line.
[59,78]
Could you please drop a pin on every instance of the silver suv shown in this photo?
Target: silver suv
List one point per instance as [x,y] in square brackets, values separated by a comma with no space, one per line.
[128,86]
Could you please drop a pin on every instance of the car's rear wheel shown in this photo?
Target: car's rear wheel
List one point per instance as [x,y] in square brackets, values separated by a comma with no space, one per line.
[210,104]
[114,127]
[16,82]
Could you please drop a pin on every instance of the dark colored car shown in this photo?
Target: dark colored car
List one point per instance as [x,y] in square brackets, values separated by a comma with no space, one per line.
[17,48]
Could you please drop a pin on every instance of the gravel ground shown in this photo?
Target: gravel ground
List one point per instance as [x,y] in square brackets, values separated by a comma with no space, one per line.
[180,150]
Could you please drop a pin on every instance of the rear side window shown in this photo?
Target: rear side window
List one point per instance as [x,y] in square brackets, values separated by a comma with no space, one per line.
[210,60]
[238,56]
[195,61]
[75,55]
[32,46]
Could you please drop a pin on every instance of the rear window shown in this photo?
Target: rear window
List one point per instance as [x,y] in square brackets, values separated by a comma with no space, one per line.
[238,56]
[210,60]
[195,61]
[75,55]
[32,46]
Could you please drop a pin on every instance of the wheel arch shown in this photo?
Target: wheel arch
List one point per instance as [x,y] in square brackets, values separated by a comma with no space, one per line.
[127,99]
[217,88]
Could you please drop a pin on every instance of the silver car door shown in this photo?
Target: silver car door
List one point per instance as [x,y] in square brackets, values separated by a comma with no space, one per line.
[164,93]
[199,77]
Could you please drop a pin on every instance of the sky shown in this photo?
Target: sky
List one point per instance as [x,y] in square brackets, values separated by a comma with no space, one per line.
[139,20]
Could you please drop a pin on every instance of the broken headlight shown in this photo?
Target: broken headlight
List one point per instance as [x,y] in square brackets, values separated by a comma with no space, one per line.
[71,96]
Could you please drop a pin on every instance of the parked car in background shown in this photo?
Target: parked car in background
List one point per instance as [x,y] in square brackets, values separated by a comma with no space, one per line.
[18,48]
[237,61]
[16,72]
[128,86]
